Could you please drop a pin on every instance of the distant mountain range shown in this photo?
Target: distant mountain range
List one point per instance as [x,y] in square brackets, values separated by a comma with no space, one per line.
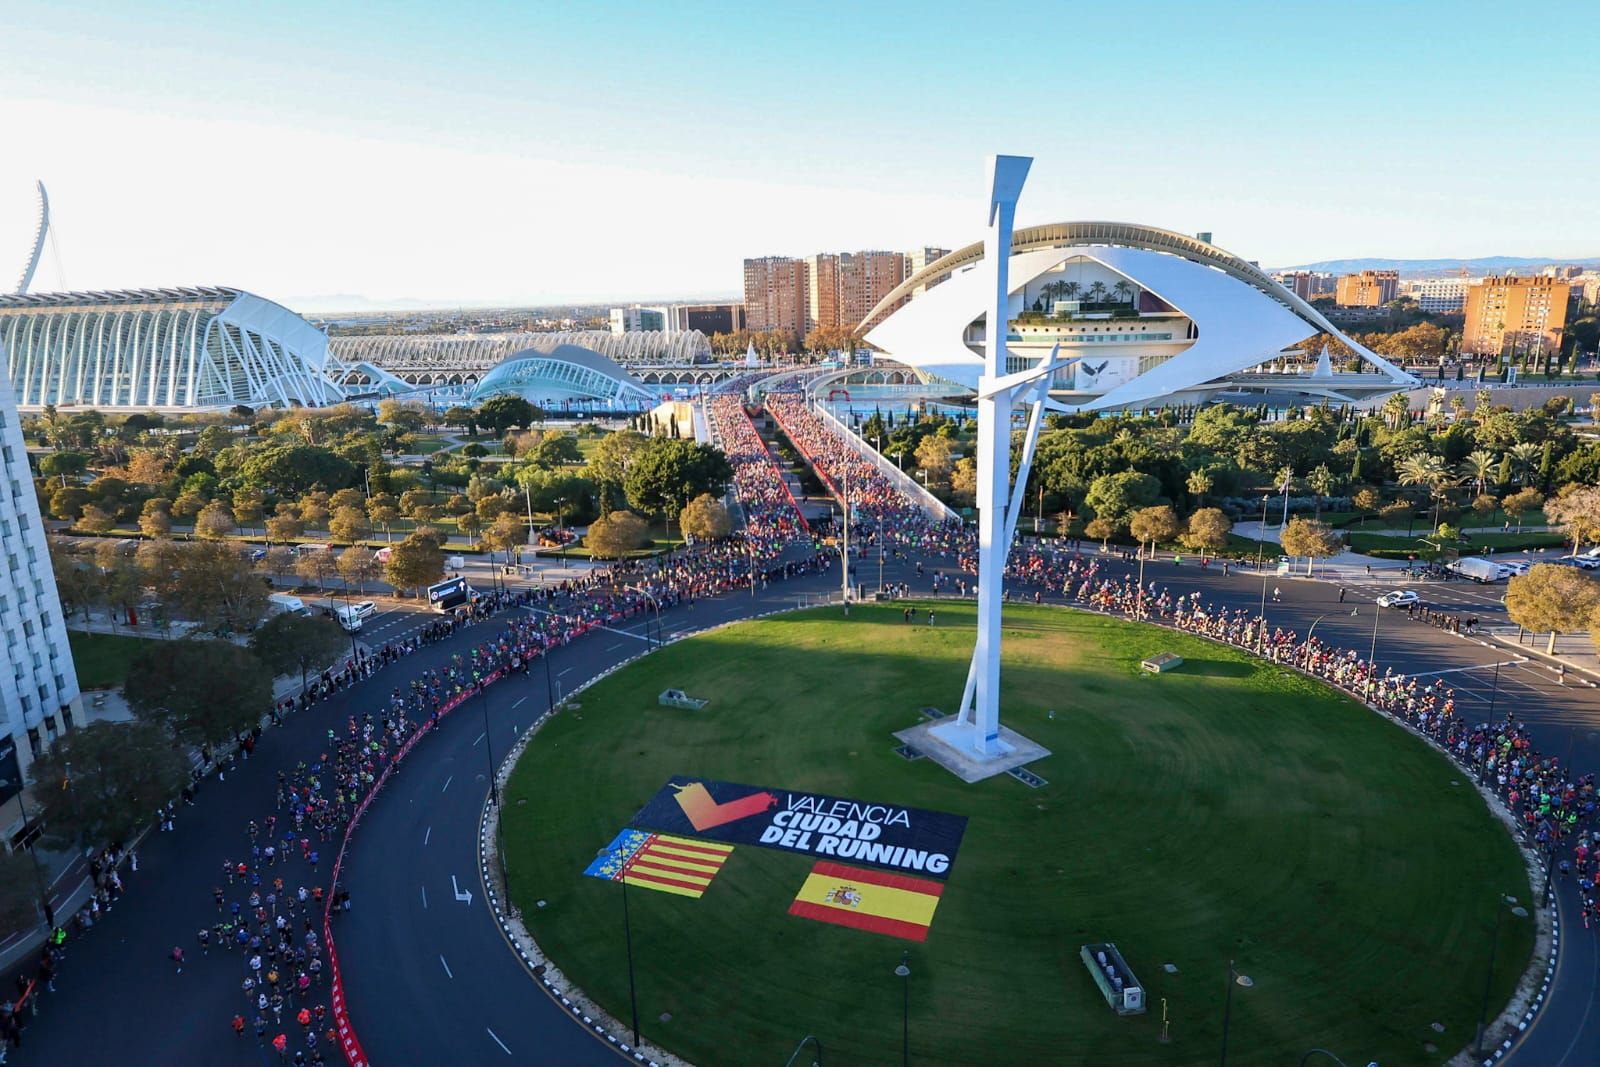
[1480,265]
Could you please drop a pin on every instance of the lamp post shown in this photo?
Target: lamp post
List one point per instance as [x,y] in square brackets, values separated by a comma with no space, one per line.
[1372,653]
[33,858]
[627,935]
[809,1039]
[1501,906]
[1261,565]
[488,744]
[904,974]
[1234,978]
[1306,646]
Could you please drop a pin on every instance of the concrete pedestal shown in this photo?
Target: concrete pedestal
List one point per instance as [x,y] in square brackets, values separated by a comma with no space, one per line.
[947,743]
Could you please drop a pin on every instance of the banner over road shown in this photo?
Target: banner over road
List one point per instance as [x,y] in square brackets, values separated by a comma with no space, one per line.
[879,835]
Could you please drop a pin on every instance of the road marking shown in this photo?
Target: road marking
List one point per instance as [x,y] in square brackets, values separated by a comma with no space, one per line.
[1456,670]
[497,1041]
[447,782]
[519,702]
[476,743]
[465,896]
[446,968]
[427,834]
[616,646]
[563,674]
[424,896]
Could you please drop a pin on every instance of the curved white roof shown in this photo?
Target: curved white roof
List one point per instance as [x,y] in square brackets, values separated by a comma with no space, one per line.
[1242,317]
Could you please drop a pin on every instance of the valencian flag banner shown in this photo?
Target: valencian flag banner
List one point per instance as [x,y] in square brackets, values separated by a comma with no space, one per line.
[656,861]
[881,835]
[883,903]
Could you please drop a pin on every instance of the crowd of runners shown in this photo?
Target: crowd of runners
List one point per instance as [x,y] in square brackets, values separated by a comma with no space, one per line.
[771,517]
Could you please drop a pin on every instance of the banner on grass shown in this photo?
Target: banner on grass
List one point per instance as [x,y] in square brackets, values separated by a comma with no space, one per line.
[883,903]
[813,824]
[660,862]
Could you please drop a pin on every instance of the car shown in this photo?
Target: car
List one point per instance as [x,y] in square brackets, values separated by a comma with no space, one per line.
[257,555]
[1584,563]
[1517,566]
[1398,599]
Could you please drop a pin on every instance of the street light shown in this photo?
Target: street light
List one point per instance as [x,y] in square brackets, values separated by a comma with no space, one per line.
[809,1039]
[904,974]
[488,744]
[1501,906]
[627,933]
[1261,545]
[33,856]
[1372,653]
[1234,978]
[1306,646]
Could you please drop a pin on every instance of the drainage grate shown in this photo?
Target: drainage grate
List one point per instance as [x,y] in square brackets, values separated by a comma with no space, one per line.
[907,753]
[1027,777]
[932,713]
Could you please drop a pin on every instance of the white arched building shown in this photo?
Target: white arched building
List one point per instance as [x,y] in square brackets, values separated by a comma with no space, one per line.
[1146,317]
[163,348]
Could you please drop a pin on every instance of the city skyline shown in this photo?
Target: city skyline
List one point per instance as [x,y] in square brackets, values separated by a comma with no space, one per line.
[476,159]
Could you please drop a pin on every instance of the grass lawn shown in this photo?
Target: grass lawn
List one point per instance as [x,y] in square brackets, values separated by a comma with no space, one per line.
[427,445]
[102,659]
[1394,546]
[1228,810]
[1468,518]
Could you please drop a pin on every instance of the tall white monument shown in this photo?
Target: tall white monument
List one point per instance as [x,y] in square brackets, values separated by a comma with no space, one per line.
[976,734]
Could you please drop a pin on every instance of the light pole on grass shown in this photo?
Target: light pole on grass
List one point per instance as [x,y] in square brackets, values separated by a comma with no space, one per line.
[1234,978]
[627,934]
[904,973]
[1502,905]
[809,1039]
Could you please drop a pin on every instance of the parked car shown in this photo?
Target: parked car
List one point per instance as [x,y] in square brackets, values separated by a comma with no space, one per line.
[257,555]
[1585,563]
[1398,599]
[1517,566]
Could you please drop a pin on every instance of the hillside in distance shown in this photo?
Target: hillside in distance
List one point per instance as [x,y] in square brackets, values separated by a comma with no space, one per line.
[1478,266]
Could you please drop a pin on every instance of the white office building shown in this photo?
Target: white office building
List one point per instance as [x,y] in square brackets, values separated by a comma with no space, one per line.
[1441,296]
[38,685]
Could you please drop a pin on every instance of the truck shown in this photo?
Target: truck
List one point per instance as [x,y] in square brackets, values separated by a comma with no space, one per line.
[1479,569]
[287,604]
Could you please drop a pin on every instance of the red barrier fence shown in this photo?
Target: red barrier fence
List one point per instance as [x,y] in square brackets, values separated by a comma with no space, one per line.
[354,1055]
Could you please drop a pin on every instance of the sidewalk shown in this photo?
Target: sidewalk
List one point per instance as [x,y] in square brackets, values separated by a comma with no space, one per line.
[1575,652]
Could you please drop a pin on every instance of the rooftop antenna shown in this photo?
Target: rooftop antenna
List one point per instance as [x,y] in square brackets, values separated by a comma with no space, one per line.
[41,231]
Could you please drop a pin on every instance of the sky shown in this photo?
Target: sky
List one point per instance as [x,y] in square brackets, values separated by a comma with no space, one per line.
[523,153]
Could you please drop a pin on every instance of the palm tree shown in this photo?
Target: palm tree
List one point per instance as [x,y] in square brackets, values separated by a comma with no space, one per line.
[1395,409]
[1070,290]
[1524,458]
[1124,290]
[1479,467]
[1199,484]
[1097,290]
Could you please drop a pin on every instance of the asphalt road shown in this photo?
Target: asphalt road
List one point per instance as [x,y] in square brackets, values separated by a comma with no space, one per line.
[431,981]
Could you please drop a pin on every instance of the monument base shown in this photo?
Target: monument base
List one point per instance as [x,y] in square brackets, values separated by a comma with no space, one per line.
[950,744]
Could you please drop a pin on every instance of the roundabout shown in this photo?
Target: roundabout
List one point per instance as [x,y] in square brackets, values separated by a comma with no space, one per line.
[1230,810]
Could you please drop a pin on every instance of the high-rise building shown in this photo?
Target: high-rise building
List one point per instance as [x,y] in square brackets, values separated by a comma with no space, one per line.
[1298,282]
[823,289]
[638,319]
[38,684]
[1442,296]
[1515,316]
[775,296]
[918,258]
[1369,289]
[842,287]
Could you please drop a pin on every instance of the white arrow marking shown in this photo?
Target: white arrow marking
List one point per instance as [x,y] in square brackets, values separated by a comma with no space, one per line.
[462,896]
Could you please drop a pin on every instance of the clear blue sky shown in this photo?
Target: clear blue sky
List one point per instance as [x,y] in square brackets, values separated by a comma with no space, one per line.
[523,152]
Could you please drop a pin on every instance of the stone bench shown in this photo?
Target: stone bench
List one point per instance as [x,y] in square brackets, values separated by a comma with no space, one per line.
[677,698]
[1162,663]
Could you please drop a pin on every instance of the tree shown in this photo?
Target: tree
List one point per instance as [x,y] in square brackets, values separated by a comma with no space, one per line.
[1114,497]
[214,522]
[381,510]
[1521,502]
[288,642]
[63,465]
[317,565]
[1312,539]
[1102,530]
[1198,484]
[358,565]
[202,691]
[1484,505]
[291,468]
[934,456]
[1152,525]
[964,479]
[95,520]
[501,413]
[506,533]
[1208,530]
[407,416]
[614,455]
[249,505]
[415,562]
[284,527]
[119,774]
[1557,599]
[670,473]
[1322,483]
[469,524]
[1577,507]
[1367,500]
[279,561]
[1479,467]
[349,525]
[615,535]
[556,450]
[67,504]
[705,518]
[19,890]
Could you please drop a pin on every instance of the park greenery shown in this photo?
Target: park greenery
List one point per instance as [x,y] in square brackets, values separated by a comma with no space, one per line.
[1264,782]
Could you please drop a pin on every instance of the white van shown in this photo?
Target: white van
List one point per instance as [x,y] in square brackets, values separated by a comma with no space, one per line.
[306,550]
[455,563]
[349,618]
[286,604]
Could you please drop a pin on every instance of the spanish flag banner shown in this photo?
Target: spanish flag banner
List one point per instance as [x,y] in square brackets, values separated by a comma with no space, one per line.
[658,861]
[878,901]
